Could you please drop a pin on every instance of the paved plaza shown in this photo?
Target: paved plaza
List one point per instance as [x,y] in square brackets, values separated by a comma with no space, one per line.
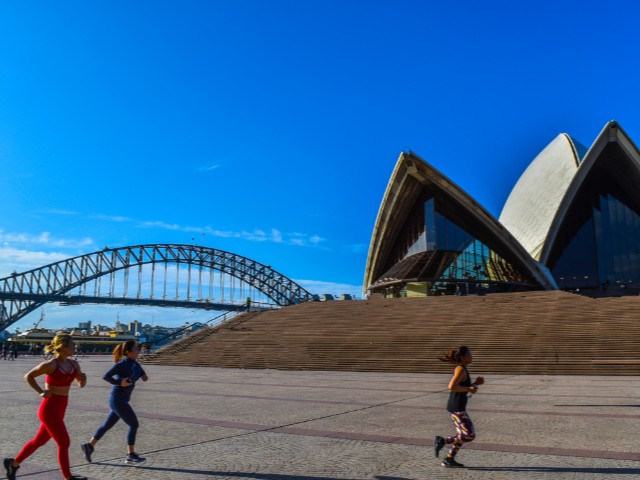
[200,423]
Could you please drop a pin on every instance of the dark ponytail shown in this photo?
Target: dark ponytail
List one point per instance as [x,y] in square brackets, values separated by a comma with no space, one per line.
[454,356]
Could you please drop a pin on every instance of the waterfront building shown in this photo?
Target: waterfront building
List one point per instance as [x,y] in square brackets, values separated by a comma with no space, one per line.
[572,221]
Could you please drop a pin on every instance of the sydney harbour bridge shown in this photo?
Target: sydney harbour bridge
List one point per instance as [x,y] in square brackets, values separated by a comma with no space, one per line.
[165,275]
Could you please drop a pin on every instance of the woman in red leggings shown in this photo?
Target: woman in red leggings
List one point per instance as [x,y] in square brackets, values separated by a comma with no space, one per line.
[60,372]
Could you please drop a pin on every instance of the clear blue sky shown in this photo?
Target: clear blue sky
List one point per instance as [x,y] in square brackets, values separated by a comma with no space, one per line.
[272,127]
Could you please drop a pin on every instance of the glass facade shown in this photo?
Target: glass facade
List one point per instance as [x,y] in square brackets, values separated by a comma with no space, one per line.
[457,259]
[598,246]
[440,243]
[479,263]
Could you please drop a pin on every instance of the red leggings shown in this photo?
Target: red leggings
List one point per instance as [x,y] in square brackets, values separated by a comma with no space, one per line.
[51,414]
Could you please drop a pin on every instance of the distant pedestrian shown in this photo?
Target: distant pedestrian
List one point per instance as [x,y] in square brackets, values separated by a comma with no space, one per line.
[60,372]
[461,389]
[123,376]
[12,353]
[4,351]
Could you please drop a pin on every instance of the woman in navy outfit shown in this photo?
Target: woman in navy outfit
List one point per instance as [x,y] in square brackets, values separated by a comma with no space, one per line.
[123,376]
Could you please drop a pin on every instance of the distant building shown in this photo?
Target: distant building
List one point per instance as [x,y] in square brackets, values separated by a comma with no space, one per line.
[572,222]
[134,327]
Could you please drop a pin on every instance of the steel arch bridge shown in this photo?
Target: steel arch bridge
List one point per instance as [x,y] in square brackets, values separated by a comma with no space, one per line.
[179,271]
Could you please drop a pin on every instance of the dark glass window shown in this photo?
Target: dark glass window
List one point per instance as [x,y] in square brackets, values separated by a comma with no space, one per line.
[578,266]
[598,246]
[479,263]
[432,246]
[430,222]
[412,238]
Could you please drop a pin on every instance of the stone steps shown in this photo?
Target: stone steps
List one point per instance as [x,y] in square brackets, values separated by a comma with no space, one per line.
[510,333]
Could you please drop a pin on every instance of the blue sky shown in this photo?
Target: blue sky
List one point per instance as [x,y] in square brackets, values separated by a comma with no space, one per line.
[272,127]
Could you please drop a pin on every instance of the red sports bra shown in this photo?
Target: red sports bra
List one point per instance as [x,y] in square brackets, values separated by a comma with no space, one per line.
[60,379]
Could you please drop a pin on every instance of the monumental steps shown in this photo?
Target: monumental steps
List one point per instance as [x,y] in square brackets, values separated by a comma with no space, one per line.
[548,332]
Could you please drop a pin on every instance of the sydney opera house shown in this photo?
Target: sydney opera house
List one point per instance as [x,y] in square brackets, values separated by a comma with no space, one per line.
[571,222]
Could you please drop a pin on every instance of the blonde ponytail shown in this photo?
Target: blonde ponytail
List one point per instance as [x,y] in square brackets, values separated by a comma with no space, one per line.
[121,350]
[59,342]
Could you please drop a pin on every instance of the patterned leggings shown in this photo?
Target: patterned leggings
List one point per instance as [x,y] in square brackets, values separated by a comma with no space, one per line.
[466,432]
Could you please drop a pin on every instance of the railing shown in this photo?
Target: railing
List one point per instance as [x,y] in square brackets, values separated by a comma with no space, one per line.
[189,330]
[222,318]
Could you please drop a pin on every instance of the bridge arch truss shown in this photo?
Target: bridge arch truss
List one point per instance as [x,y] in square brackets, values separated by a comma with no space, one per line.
[134,274]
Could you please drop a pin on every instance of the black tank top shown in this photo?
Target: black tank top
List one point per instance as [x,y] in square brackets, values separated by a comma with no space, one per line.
[458,400]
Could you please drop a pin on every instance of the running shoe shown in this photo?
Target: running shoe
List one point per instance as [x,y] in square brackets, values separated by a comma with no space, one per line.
[134,459]
[451,463]
[11,470]
[87,449]
[77,477]
[438,444]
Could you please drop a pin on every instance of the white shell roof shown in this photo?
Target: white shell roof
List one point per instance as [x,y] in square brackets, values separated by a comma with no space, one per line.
[532,205]
[612,132]
[409,177]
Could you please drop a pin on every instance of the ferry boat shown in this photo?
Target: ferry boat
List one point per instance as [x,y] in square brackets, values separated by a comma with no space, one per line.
[84,340]
[43,335]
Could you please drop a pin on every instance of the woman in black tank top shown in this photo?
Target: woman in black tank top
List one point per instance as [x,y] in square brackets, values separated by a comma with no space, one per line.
[461,389]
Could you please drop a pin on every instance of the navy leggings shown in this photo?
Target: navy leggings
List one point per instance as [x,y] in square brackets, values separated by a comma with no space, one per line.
[120,409]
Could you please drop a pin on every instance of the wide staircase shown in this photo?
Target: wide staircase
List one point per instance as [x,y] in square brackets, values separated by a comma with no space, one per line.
[548,332]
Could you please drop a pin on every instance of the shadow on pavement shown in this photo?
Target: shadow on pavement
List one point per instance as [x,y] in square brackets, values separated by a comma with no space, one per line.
[257,476]
[592,405]
[610,471]
[383,477]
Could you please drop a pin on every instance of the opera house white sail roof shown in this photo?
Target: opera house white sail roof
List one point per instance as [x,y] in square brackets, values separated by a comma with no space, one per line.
[536,197]
[412,176]
[572,221]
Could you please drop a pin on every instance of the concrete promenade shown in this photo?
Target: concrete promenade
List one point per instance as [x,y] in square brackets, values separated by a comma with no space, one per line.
[198,423]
